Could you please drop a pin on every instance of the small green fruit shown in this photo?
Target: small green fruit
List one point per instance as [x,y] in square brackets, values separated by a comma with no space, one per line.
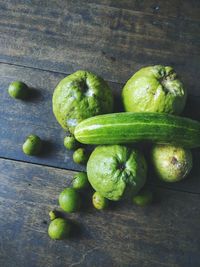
[99,202]
[143,198]
[171,163]
[80,156]
[52,215]
[32,145]
[69,200]
[70,142]
[59,229]
[18,90]
[80,181]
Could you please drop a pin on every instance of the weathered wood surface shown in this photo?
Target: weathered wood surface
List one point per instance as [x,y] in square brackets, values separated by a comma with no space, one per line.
[41,42]
[112,38]
[167,233]
[21,118]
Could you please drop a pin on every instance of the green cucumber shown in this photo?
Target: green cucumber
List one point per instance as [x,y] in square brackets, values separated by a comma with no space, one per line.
[128,127]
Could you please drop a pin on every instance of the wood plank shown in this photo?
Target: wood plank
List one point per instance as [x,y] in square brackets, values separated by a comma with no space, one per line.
[66,36]
[39,106]
[21,118]
[178,9]
[163,234]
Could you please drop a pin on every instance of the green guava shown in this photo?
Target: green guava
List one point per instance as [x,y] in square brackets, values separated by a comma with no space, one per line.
[116,171]
[18,90]
[32,146]
[79,96]
[70,142]
[80,156]
[154,89]
[80,181]
[99,202]
[59,229]
[69,200]
[171,163]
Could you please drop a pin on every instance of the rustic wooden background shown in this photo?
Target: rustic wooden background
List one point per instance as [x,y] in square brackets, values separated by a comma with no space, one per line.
[40,43]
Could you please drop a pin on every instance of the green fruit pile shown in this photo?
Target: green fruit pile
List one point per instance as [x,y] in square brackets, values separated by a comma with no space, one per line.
[158,89]
[116,171]
[151,90]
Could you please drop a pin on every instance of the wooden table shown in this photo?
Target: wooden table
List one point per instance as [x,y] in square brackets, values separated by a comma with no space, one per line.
[40,43]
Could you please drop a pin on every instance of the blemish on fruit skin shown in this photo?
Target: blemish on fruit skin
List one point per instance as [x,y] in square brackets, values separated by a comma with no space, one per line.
[121,167]
[174,161]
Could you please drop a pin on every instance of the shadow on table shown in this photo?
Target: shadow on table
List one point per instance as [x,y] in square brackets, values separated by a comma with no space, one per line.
[33,95]
[48,147]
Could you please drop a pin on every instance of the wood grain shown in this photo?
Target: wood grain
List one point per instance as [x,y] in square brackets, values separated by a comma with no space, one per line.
[163,234]
[185,10]
[21,118]
[40,43]
[113,39]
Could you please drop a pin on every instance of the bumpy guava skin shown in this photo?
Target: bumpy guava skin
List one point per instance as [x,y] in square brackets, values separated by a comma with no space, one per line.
[79,96]
[171,163]
[116,171]
[154,89]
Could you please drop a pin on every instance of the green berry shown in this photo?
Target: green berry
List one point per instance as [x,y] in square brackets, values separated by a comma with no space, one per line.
[59,229]
[18,90]
[52,215]
[80,181]
[70,142]
[32,145]
[99,202]
[69,200]
[80,156]
[143,198]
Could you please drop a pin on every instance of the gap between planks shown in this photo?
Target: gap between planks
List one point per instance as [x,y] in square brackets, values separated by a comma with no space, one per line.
[75,171]
[62,73]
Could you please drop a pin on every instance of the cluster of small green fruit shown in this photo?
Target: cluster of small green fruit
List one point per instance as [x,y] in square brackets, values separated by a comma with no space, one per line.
[70,201]
[70,198]
[149,97]
[33,144]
